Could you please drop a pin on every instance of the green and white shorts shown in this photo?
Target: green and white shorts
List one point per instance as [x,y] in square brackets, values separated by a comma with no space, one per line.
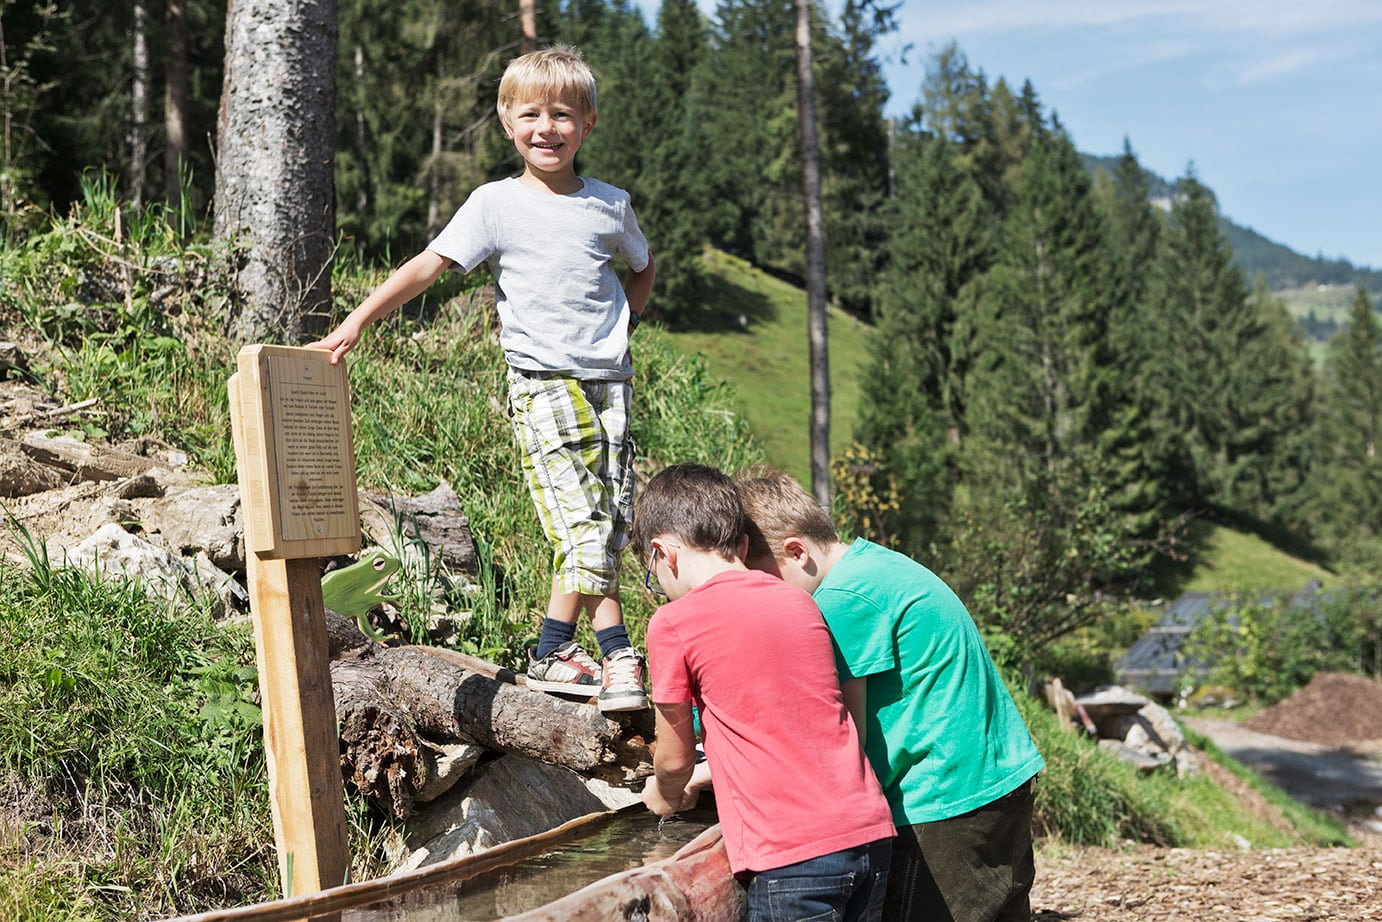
[577,458]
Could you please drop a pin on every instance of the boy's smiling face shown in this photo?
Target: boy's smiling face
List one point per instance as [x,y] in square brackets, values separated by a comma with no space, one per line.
[547,133]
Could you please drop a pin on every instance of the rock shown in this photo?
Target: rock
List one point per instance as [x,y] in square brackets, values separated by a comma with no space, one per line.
[510,797]
[435,519]
[1139,760]
[114,551]
[201,518]
[14,363]
[452,761]
[21,475]
[84,461]
[1109,703]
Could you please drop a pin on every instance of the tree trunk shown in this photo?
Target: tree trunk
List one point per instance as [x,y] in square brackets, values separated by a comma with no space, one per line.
[527,16]
[177,104]
[815,260]
[275,194]
[434,163]
[395,705]
[139,104]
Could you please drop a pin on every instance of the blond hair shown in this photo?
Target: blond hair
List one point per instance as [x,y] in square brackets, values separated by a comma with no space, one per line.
[777,508]
[558,72]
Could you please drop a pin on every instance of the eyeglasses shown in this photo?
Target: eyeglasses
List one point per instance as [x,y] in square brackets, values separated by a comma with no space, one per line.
[648,575]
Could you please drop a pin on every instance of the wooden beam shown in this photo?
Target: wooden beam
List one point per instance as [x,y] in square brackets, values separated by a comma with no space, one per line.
[290,420]
[300,740]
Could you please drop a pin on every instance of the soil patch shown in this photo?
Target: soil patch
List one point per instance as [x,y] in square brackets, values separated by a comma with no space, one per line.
[1334,709]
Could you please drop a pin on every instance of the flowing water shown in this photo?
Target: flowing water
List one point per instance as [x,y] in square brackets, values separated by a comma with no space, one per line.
[622,842]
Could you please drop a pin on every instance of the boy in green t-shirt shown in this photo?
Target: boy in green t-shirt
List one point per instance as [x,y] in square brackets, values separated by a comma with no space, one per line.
[953,755]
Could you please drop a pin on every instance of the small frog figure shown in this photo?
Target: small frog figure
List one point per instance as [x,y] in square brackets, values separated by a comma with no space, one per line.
[355,589]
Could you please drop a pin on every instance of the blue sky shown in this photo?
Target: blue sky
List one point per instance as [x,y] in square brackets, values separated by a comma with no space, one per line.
[1276,103]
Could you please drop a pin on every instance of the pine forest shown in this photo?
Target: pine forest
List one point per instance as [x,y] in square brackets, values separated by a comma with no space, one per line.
[1062,375]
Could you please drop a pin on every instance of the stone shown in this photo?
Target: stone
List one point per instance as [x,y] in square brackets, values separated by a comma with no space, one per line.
[510,797]
[21,475]
[112,551]
[201,518]
[452,761]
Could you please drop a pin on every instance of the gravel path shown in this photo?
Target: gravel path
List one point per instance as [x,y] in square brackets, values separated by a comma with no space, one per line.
[1146,884]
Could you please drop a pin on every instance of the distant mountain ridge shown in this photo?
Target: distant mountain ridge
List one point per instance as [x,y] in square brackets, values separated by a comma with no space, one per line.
[1254,254]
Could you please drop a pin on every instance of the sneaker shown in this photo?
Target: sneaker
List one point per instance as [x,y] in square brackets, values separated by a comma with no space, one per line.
[623,684]
[567,669]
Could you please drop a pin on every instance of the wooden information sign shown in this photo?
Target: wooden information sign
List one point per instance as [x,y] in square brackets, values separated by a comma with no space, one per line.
[290,419]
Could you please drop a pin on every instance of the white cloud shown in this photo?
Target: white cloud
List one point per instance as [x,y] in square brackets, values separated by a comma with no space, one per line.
[1224,18]
[1291,61]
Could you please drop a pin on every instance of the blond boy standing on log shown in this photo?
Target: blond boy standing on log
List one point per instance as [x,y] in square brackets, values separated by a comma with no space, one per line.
[551,238]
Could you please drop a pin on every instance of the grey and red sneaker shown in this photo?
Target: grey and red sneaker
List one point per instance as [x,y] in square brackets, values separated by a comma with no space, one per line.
[623,682]
[568,669]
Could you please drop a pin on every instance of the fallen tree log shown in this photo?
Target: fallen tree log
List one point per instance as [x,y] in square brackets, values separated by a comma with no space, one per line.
[396,705]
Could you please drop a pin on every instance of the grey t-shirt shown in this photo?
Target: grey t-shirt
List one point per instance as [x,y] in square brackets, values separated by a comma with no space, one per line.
[561,305]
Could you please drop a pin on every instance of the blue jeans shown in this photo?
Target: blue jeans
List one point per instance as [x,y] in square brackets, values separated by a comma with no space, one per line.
[843,886]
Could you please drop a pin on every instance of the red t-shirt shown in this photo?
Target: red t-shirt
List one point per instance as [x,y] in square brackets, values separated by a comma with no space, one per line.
[755,657]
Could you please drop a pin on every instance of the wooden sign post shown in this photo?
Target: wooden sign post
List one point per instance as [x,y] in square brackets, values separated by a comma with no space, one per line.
[290,418]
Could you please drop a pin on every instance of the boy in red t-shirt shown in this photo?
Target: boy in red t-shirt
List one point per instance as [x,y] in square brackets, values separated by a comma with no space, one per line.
[804,819]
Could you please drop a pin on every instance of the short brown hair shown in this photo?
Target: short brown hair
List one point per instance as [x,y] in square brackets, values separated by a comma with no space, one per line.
[777,508]
[696,503]
[558,72]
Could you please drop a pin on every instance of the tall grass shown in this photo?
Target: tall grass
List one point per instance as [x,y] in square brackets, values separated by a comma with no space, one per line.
[132,721]
[429,405]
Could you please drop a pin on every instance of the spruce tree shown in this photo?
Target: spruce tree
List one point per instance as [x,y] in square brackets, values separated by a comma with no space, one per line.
[854,149]
[913,394]
[1039,537]
[670,194]
[1133,228]
[1347,477]
[1226,381]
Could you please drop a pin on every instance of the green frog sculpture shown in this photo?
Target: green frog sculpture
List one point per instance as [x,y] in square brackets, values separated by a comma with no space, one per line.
[355,590]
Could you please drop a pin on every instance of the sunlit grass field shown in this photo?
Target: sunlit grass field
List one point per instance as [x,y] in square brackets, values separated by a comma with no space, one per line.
[768,361]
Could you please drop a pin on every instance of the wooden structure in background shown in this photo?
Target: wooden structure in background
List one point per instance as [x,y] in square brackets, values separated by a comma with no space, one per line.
[290,415]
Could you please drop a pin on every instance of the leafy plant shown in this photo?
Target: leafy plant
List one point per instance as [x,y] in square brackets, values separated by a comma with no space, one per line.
[1266,646]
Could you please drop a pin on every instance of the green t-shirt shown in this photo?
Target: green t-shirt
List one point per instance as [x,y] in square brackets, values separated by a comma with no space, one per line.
[944,735]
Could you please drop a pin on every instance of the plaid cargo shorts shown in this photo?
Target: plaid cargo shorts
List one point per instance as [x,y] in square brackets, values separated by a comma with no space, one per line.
[577,458]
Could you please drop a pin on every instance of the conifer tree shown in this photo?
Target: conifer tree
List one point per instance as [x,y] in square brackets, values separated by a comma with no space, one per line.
[913,394]
[854,150]
[1275,415]
[409,151]
[1040,388]
[1223,381]
[1039,537]
[1347,477]
[670,191]
[1133,227]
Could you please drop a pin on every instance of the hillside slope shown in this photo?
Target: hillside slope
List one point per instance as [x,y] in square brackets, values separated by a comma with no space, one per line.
[762,349]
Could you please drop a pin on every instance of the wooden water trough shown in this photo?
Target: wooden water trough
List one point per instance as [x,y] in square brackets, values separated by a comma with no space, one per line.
[693,885]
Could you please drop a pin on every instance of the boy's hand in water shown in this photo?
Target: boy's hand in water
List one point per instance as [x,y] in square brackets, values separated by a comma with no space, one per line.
[657,802]
[700,780]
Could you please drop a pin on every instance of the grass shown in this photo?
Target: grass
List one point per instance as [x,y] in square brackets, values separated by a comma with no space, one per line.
[130,721]
[427,396]
[1224,559]
[768,361]
[1087,796]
